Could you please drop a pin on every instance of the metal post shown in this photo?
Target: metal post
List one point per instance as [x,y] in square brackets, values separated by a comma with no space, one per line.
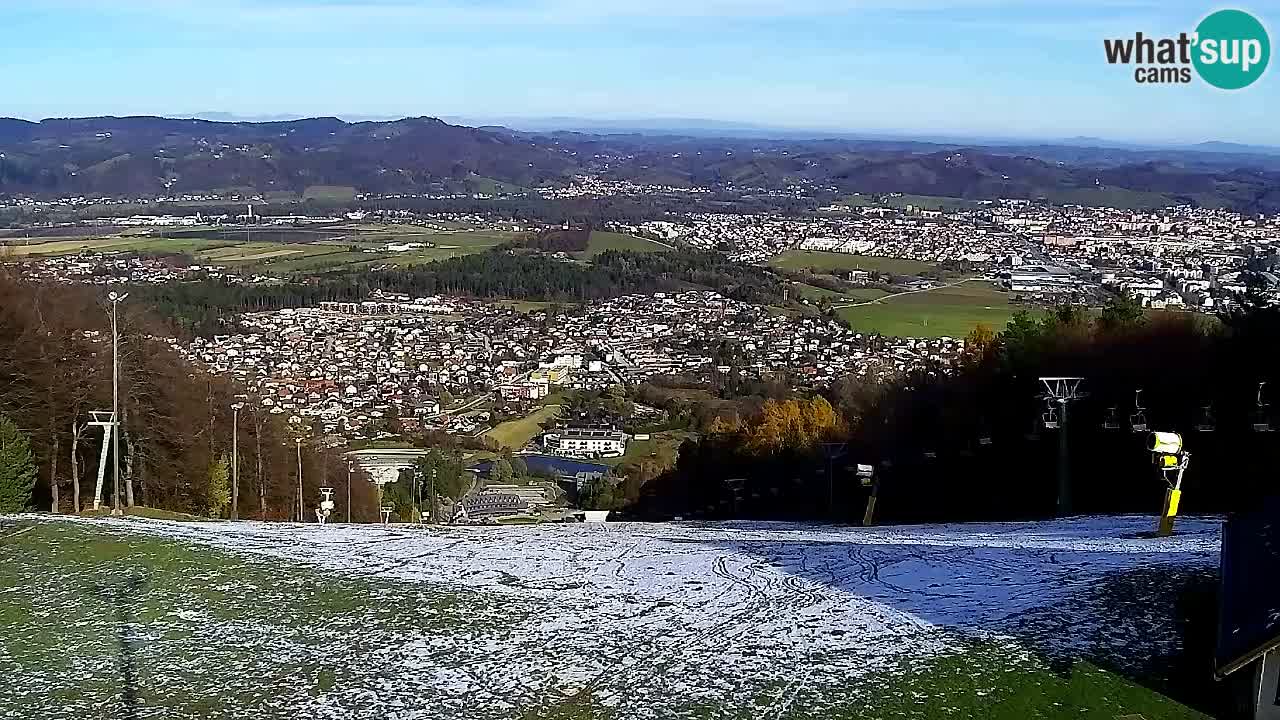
[416,508]
[433,495]
[235,461]
[350,467]
[1064,470]
[298,443]
[115,401]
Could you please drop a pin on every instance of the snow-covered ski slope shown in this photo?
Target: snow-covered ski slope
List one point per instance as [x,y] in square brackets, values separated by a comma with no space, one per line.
[651,618]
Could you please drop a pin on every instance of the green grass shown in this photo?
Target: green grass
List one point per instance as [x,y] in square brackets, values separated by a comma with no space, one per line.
[206,634]
[829,261]
[526,306]
[515,434]
[149,513]
[638,450]
[330,193]
[813,293]
[950,312]
[1111,197]
[601,241]
[923,202]
[285,258]
[989,682]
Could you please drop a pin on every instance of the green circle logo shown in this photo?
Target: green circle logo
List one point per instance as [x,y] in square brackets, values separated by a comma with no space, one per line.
[1232,50]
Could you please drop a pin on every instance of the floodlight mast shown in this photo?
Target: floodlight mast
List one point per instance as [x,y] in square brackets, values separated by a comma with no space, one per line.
[1063,391]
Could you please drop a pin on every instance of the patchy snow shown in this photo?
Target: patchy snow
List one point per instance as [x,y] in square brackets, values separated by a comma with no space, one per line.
[652,620]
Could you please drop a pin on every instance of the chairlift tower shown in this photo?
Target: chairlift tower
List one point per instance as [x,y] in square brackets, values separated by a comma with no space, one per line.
[1262,419]
[1060,392]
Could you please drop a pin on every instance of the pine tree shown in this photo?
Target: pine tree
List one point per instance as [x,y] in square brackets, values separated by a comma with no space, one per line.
[17,468]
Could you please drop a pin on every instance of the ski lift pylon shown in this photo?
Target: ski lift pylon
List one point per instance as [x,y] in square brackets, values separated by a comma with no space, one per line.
[1262,419]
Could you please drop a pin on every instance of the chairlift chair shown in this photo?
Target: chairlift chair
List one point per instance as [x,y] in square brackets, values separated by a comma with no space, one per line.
[1050,418]
[1112,421]
[1138,420]
[1207,422]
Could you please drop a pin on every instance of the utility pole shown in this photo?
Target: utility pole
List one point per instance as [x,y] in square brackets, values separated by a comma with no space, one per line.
[115,299]
[235,460]
[298,443]
[433,495]
[416,507]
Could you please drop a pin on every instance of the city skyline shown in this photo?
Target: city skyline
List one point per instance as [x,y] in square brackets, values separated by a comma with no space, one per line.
[980,68]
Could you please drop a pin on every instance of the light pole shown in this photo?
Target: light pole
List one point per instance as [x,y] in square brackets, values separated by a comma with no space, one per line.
[350,468]
[235,460]
[115,299]
[298,443]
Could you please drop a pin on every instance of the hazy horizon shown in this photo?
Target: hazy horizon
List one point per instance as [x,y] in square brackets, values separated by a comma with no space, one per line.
[963,68]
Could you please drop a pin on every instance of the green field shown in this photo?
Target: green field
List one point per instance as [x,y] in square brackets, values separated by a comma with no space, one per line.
[943,312]
[813,293]
[285,258]
[601,241]
[111,625]
[829,261]
[638,450]
[921,202]
[515,434]
[336,194]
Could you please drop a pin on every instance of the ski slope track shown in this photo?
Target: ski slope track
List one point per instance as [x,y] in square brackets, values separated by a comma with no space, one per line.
[651,619]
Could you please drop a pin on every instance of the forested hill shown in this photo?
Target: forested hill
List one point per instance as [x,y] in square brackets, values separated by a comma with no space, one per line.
[201,307]
[149,157]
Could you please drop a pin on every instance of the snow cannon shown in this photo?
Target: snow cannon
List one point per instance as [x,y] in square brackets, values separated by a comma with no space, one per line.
[1164,443]
[1171,461]
[326,505]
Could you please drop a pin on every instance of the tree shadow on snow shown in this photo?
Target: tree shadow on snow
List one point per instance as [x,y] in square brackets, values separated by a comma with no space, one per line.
[122,597]
[1150,618]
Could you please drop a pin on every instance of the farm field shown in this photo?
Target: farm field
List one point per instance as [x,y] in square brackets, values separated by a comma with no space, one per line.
[942,312]
[816,259]
[269,251]
[923,202]
[601,241]
[148,619]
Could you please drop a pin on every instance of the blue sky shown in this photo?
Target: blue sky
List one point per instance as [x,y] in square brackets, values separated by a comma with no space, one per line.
[960,67]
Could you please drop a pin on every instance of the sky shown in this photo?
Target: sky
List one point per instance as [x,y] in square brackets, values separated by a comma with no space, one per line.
[988,68]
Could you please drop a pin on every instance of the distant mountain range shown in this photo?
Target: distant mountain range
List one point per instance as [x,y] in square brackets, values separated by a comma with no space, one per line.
[147,156]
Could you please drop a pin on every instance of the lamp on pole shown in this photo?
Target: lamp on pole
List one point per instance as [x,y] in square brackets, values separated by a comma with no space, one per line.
[116,299]
[235,460]
[298,443]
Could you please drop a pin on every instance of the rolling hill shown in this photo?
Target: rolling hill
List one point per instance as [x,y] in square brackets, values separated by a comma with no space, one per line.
[151,156]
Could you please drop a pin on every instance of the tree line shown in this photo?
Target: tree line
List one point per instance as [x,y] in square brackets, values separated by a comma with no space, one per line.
[176,420]
[968,440]
[203,307]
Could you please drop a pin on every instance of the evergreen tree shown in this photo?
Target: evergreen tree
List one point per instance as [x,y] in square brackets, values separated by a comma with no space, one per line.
[502,472]
[17,468]
[219,486]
